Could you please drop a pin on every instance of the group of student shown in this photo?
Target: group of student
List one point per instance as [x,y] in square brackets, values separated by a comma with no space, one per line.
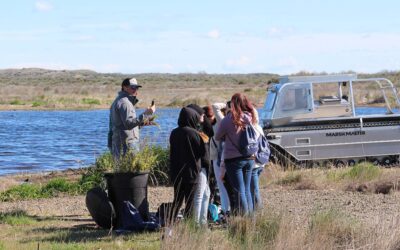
[204,149]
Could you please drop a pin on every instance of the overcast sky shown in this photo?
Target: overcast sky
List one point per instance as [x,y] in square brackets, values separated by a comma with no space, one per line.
[279,36]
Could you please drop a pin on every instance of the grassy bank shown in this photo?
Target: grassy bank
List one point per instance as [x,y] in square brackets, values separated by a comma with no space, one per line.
[40,89]
[49,89]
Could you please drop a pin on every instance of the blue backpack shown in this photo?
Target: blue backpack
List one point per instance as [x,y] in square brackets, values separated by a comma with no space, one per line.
[248,141]
[263,153]
[253,143]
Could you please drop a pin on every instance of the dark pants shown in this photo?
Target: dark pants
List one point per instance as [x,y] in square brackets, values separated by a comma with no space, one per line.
[183,192]
[214,192]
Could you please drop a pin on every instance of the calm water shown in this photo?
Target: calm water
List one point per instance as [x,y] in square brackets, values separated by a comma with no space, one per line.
[53,140]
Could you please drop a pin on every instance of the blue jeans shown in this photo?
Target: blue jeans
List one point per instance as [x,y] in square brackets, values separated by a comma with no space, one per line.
[239,174]
[255,190]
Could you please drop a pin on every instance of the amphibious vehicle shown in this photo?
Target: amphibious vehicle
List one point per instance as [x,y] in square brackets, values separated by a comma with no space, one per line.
[332,119]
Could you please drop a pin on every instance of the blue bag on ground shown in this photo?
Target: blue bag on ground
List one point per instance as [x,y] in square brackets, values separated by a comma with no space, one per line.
[248,141]
[213,212]
[132,221]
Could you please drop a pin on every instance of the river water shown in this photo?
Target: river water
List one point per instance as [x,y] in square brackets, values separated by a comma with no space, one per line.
[32,141]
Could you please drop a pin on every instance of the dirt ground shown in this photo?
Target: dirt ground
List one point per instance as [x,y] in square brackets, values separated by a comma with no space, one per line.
[368,208]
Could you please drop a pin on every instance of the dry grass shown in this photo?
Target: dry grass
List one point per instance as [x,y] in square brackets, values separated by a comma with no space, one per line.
[327,229]
[363,177]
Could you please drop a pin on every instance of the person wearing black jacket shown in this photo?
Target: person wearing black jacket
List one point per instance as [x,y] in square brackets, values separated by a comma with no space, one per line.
[188,158]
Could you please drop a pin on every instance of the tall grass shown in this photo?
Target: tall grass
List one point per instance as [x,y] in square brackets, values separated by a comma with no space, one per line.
[327,229]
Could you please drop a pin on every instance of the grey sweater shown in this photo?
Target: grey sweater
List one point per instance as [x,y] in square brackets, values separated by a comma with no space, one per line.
[124,123]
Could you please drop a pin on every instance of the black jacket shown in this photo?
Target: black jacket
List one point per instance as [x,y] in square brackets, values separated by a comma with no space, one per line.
[188,152]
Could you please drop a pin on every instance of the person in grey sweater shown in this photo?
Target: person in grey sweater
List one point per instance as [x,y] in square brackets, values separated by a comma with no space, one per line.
[124,124]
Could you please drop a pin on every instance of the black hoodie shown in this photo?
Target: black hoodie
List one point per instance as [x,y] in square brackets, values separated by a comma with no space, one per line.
[187,149]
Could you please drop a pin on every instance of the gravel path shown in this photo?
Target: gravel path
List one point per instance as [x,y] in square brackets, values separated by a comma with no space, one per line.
[367,208]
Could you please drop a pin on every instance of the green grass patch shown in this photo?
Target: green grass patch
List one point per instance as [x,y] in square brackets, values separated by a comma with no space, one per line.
[21,192]
[16,218]
[17,102]
[59,185]
[35,191]
[91,101]
[364,171]
[38,103]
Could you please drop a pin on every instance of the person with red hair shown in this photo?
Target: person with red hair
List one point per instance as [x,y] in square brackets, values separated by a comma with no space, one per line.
[238,167]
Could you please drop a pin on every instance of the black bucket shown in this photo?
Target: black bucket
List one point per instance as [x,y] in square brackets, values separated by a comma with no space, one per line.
[128,187]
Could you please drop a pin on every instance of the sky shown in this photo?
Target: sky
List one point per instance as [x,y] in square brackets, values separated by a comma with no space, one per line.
[281,36]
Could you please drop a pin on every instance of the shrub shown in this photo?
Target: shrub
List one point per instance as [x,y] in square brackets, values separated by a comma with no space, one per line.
[155,159]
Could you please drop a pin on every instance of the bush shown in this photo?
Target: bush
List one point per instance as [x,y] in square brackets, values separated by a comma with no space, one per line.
[155,159]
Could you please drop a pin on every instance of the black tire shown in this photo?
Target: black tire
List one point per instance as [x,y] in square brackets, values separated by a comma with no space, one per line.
[100,208]
[339,164]
[351,163]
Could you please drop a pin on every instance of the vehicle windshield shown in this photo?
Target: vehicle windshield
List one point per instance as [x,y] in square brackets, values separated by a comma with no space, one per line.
[271,96]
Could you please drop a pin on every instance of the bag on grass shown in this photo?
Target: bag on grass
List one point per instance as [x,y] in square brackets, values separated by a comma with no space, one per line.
[132,221]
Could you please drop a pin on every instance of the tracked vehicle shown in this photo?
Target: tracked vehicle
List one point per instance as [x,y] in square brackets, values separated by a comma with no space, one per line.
[332,119]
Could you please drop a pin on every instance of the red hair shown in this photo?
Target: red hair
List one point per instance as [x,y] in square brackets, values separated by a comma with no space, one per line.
[239,105]
[208,111]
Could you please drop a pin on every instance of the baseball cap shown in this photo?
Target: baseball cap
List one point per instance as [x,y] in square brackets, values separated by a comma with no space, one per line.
[131,82]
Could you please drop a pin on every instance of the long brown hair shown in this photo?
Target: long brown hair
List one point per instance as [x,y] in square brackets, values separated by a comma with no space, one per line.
[239,105]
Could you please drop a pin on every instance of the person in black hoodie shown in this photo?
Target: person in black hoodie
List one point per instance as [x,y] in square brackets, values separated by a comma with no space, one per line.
[188,155]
